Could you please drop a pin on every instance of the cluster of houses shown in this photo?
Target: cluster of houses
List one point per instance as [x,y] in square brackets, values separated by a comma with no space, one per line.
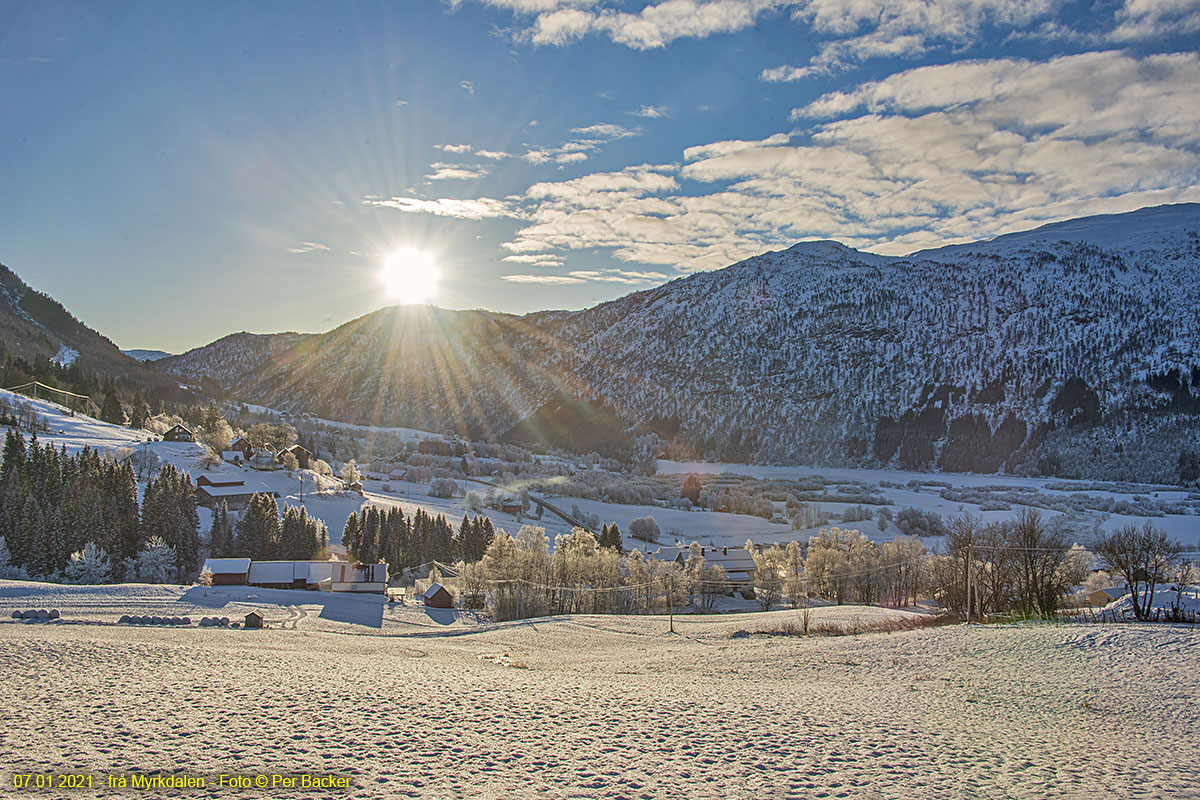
[265,458]
[241,451]
[324,576]
[738,563]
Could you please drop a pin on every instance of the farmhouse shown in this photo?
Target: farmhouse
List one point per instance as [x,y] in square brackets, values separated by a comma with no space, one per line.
[738,563]
[303,456]
[212,490]
[325,576]
[228,571]
[436,596]
[178,433]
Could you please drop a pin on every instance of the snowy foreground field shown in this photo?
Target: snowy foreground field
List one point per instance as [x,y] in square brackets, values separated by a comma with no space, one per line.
[408,704]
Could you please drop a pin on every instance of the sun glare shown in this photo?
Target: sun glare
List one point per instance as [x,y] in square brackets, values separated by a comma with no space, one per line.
[410,276]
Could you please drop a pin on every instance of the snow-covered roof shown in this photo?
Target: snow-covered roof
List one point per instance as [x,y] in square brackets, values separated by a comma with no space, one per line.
[236,490]
[211,479]
[1114,592]
[271,572]
[433,589]
[228,566]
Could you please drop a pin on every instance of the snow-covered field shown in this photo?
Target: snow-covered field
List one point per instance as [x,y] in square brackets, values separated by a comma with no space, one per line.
[581,707]
[1185,528]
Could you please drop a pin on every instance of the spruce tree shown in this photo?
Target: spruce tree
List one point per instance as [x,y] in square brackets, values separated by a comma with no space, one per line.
[110,409]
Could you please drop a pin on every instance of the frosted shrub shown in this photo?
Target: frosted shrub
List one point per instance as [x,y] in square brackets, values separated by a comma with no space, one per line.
[155,564]
[644,529]
[90,565]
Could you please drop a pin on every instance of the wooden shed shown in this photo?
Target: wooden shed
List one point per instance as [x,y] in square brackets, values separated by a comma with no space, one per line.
[254,620]
[437,596]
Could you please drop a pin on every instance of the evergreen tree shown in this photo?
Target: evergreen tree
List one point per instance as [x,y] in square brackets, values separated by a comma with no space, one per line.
[258,531]
[221,534]
[110,409]
[139,411]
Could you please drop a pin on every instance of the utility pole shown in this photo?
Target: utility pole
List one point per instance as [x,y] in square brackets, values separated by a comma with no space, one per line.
[671,600]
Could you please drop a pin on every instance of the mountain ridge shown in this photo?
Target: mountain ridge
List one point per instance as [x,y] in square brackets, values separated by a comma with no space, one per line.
[1009,354]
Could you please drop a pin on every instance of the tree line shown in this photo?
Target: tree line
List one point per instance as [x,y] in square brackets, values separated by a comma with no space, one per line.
[53,505]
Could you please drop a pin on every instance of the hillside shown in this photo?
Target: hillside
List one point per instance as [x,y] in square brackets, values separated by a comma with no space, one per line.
[1027,351]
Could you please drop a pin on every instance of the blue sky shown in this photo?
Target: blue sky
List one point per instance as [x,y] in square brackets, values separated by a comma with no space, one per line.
[173,172]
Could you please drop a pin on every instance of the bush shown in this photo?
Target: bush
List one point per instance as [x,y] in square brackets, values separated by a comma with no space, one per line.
[644,529]
[443,487]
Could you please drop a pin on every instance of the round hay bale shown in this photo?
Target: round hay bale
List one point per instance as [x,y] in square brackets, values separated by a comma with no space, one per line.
[124,620]
[54,613]
[30,614]
[43,614]
[224,622]
[16,615]
[185,621]
[204,622]
[236,625]
[156,620]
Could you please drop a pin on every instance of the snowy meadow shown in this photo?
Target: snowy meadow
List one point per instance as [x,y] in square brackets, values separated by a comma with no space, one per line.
[440,704]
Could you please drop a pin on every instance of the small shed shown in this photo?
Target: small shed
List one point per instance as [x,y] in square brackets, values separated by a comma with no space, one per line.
[437,596]
[178,433]
[254,620]
[1102,597]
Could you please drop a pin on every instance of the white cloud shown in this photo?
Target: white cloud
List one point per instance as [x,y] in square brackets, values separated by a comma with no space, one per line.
[453,148]
[308,247]
[622,276]
[1153,19]
[927,156]
[479,208]
[495,155]
[543,279]
[467,86]
[535,260]
[605,130]
[455,172]
[401,102]
[650,112]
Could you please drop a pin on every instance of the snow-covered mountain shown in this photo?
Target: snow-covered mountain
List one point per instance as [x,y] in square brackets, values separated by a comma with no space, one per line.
[963,357]
[139,354]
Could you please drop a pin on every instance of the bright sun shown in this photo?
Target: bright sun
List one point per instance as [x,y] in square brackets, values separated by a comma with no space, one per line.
[410,276]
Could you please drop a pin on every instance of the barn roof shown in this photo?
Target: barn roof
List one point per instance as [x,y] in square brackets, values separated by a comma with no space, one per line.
[237,490]
[215,479]
[271,572]
[228,566]
[433,589]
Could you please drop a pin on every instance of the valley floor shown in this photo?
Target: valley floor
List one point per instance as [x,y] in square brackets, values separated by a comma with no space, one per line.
[589,706]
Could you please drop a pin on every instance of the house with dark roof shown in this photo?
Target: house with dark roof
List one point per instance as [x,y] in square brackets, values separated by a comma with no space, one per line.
[178,433]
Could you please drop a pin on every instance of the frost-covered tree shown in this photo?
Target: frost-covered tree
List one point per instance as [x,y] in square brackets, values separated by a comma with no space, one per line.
[443,488]
[350,473]
[91,565]
[206,579]
[644,529]
[770,572]
[156,563]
